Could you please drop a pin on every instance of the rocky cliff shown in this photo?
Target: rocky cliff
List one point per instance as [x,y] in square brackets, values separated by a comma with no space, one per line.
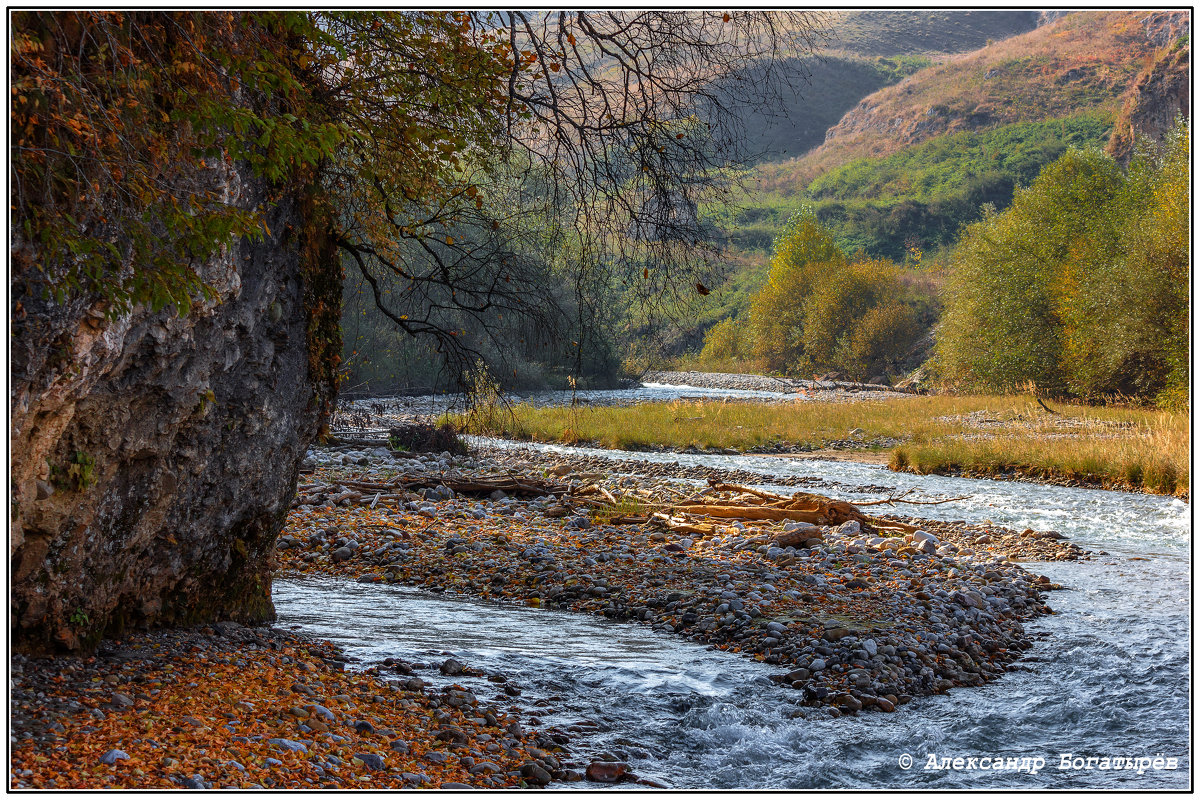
[153,457]
[1162,91]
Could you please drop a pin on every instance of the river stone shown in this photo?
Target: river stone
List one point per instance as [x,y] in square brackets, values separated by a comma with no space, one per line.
[113,756]
[535,774]
[924,536]
[849,702]
[848,530]
[485,767]
[606,771]
[835,634]
[372,761]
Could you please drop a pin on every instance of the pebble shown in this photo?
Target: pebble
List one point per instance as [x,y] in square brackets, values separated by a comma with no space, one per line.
[371,760]
[606,771]
[113,756]
[819,612]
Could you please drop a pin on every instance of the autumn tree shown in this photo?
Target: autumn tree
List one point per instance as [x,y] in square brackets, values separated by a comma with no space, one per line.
[429,138]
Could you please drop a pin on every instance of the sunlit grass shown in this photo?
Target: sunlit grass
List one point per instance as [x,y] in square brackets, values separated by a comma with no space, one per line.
[1110,446]
[1151,455]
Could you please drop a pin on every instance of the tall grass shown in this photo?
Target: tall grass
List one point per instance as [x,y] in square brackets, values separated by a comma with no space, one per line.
[1151,455]
[1140,449]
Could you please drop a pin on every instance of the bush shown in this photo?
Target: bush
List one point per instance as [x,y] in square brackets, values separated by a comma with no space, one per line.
[1081,287]
[820,311]
[835,310]
[883,336]
[724,341]
[424,438]
[805,254]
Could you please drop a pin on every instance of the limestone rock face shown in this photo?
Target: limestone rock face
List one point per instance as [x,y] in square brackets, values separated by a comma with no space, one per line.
[153,457]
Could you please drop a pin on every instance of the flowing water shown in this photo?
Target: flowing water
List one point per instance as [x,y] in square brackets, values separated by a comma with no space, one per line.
[436,404]
[1110,677]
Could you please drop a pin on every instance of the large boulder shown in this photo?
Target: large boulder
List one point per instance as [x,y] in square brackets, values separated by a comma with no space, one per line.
[154,457]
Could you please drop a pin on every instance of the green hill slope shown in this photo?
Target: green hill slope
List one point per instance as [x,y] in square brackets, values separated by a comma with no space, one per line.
[1084,61]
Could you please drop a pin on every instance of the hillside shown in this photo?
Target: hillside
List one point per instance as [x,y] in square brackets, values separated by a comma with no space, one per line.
[912,163]
[916,160]
[1162,90]
[1083,61]
[867,50]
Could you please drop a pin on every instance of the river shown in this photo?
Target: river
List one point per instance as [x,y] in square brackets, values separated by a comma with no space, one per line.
[1109,675]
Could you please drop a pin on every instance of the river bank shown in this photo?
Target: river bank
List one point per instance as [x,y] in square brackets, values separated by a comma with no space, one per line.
[853,620]
[229,707]
[1013,437]
[529,548]
[820,390]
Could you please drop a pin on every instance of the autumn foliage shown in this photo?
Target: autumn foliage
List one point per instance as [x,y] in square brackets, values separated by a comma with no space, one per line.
[120,132]
[823,310]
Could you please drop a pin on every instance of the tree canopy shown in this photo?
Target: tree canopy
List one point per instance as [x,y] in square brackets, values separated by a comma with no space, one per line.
[446,146]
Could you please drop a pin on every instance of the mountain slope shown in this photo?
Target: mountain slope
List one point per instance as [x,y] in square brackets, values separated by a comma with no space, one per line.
[904,170]
[868,49]
[1083,61]
[1162,90]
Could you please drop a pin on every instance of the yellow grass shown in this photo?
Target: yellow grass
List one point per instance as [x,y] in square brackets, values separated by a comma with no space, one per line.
[1140,449]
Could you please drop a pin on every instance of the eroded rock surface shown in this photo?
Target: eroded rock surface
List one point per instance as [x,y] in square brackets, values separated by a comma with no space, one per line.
[153,457]
[1162,90]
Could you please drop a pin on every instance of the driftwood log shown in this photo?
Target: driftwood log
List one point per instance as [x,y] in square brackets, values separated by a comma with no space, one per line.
[746,503]
[685,515]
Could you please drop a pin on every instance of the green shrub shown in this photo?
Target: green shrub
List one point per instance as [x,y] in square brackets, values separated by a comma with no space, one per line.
[883,336]
[805,254]
[1081,286]
[835,310]
[725,340]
